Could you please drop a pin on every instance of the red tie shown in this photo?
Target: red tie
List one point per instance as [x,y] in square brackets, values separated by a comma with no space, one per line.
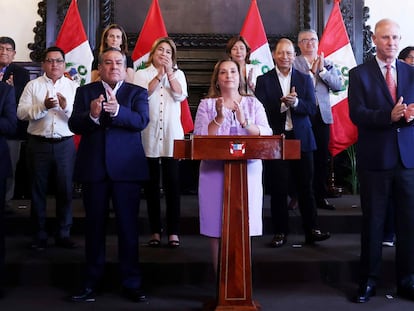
[392,87]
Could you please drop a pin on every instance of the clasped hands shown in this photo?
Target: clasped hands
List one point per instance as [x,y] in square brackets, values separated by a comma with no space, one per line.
[235,107]
[401,110]
[55,101]
[318,63]
[290,99]
[97,105]
[166,66]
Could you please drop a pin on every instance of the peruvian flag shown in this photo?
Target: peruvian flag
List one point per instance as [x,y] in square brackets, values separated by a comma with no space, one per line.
[153,29]
[337,48]
[254,33]
[73,41]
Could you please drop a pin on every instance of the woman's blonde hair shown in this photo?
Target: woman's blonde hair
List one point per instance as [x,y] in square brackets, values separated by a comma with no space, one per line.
[155,45]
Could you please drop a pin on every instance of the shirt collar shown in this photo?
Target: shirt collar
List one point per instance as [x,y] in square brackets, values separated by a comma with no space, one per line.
[280,74]
[381,64]
[108,88]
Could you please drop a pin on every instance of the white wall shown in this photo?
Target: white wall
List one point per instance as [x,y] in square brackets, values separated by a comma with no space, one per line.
[17,20]
[398,10]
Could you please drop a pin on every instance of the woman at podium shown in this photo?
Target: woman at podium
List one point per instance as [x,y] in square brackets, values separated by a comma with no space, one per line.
[227,110]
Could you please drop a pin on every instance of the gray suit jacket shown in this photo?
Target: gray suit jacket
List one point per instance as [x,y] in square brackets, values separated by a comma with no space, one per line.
[330,80]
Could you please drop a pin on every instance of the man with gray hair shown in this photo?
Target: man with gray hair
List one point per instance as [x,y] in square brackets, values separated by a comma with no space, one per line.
[326,77]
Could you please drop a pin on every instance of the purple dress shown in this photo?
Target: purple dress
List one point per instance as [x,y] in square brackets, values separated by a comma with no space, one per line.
[211,180]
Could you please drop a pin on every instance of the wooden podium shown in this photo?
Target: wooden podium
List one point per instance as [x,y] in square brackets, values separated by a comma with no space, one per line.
[235,280]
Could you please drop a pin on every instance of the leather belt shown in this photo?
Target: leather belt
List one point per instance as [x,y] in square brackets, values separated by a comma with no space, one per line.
[50,140]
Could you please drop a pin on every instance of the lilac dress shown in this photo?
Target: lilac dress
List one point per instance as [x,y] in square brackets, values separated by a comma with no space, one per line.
[211,180]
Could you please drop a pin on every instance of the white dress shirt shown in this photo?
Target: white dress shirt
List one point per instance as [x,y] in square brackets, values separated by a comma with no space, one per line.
[285,86]
[50,123]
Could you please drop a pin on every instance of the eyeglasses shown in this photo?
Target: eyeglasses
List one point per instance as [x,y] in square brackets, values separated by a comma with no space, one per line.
[306,41]
[2,48]
[54,61]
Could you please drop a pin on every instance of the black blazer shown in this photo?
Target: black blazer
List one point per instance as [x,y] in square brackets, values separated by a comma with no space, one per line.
[8,123]
[20,78]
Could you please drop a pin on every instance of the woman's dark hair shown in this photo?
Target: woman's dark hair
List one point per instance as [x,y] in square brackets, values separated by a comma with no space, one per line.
[405,52]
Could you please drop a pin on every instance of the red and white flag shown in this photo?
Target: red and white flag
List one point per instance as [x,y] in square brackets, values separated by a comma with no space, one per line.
[337,48]
[254,33]
[73,41]
[153,29]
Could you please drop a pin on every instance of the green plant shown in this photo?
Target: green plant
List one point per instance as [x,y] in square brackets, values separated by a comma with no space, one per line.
[353,177]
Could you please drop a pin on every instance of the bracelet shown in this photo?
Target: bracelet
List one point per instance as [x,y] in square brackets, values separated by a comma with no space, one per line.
[216,123]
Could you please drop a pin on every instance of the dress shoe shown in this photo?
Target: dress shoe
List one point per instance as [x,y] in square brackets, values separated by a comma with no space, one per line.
[40,244]
[365,292]
[85,295]
[134,294]
[65,243]
[293,204]
[324,204]
[316,235]
[406,291]
[278,240]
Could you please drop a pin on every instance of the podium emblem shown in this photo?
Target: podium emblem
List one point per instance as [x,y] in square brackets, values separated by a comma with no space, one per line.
[237,149]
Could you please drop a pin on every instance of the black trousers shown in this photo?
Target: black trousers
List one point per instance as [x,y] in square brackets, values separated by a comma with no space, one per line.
[379,189]
[163,171]
[321,156]
[2,231]
[279,174]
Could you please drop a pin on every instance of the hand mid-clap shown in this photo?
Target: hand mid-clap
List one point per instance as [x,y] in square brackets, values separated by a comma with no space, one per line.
[55,101]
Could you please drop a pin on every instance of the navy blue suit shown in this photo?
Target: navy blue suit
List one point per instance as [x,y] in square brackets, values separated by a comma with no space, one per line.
[385,159]
[8,123]
[20,78]
[269,92]
[111,163]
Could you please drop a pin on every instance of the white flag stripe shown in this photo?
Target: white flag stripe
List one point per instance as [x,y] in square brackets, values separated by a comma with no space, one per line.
[138,64]
[263,55]
[345,60]
[80,59]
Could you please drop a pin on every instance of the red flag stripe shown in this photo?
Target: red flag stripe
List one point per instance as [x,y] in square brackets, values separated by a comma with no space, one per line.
[343,132]
[253,29]
[335,36]
[152,29]
[71,34]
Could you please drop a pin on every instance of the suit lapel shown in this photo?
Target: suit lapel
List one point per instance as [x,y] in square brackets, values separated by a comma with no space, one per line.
[377,73]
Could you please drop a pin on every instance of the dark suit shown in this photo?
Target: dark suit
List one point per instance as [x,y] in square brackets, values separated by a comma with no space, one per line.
[385,159]
[8,122]
[269,92]
[111,164]
[20,78]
